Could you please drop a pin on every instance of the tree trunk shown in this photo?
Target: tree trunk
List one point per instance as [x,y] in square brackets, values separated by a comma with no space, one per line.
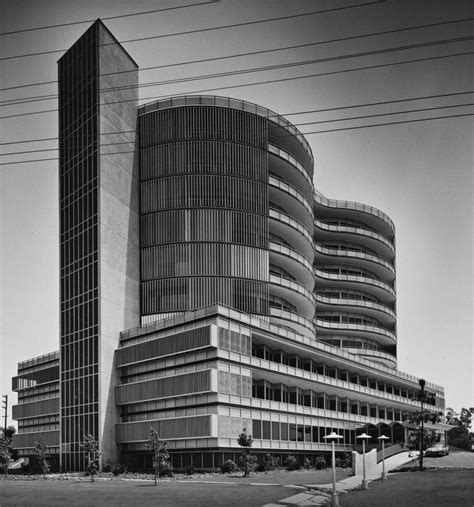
[155,475]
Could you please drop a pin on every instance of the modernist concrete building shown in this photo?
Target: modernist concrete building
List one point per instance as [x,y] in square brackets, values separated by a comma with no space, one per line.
[206,285]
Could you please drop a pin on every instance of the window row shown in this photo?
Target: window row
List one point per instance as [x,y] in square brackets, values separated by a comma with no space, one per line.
[208,191]
[204,259]
[180,294]
[304,363]
[348,318]
[345,246]
[203,122]
[227,226]
[338,269]
[213,157]
[353,342]
[343,293]
[265,390]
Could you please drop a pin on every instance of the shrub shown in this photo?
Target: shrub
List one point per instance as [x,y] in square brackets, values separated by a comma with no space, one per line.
[189,471]
[228,467]
[108,465]
[307,464]
[119,469]
[291,463]
[270,463]
[344,460]
[320,463]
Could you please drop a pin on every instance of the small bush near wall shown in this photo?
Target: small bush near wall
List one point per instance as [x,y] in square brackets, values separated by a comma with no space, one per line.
[320,463]
[269,464]
[228,467]
[291,463]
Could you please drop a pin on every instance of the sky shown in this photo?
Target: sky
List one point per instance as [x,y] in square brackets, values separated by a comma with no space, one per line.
[418,172]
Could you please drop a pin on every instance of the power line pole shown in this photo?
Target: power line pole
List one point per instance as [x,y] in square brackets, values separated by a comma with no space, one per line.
[5,408]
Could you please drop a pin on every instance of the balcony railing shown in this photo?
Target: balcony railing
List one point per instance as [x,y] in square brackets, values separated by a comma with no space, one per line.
[357,206]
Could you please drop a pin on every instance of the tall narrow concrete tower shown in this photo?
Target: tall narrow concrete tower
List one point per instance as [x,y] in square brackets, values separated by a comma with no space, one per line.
[99,233]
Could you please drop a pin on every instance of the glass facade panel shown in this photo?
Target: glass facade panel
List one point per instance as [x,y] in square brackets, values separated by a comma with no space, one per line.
[78,211]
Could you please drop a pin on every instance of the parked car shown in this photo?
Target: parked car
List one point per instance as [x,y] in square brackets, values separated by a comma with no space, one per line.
[437,450]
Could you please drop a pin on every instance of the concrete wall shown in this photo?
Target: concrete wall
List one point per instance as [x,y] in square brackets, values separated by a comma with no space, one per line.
[118,223]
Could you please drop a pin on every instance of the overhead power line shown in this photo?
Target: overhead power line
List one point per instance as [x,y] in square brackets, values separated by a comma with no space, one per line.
[323,110]
[263,51]
[250,70]
[257,83]
[361,117]
[303,133]
[209,29]
[83,22]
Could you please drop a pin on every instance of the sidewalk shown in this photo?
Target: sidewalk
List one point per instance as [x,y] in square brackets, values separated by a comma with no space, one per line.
[320,494]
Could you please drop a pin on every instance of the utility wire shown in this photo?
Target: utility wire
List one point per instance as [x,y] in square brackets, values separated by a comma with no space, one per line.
[250,70]
[366,104]
[368,67]
[209,29]
[46,27]
[409,111]
[304,134]
[252,53]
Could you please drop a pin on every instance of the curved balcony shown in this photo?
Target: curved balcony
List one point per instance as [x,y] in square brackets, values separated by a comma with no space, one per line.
[377,356]
[293,262]
[292,200]
[381,290]
[295,293]
[291,230]
[376,310]
[364,237]
[286,167]
[292,320]
[295,144]
[373,216]
[377,265]
[377,333]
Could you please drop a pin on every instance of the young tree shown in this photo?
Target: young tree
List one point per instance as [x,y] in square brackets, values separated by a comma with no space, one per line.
[459,435]
[41,452]
[91,449]
[423,439]
[5,453]
[161,457]
[246,442]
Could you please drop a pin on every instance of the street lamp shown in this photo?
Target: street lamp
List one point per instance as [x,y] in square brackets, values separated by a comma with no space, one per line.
[422,383]
[334,497]
[364,437]
[382,438]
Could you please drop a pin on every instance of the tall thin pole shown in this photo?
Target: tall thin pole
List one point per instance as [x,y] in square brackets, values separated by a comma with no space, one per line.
[364,480]
[383,461]
[333,457]
[5,415]
[422,436]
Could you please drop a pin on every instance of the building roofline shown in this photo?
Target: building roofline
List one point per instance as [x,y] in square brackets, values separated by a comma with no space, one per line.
[98,21]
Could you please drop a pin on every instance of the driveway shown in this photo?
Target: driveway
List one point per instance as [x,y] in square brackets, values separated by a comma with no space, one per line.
[458,459]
